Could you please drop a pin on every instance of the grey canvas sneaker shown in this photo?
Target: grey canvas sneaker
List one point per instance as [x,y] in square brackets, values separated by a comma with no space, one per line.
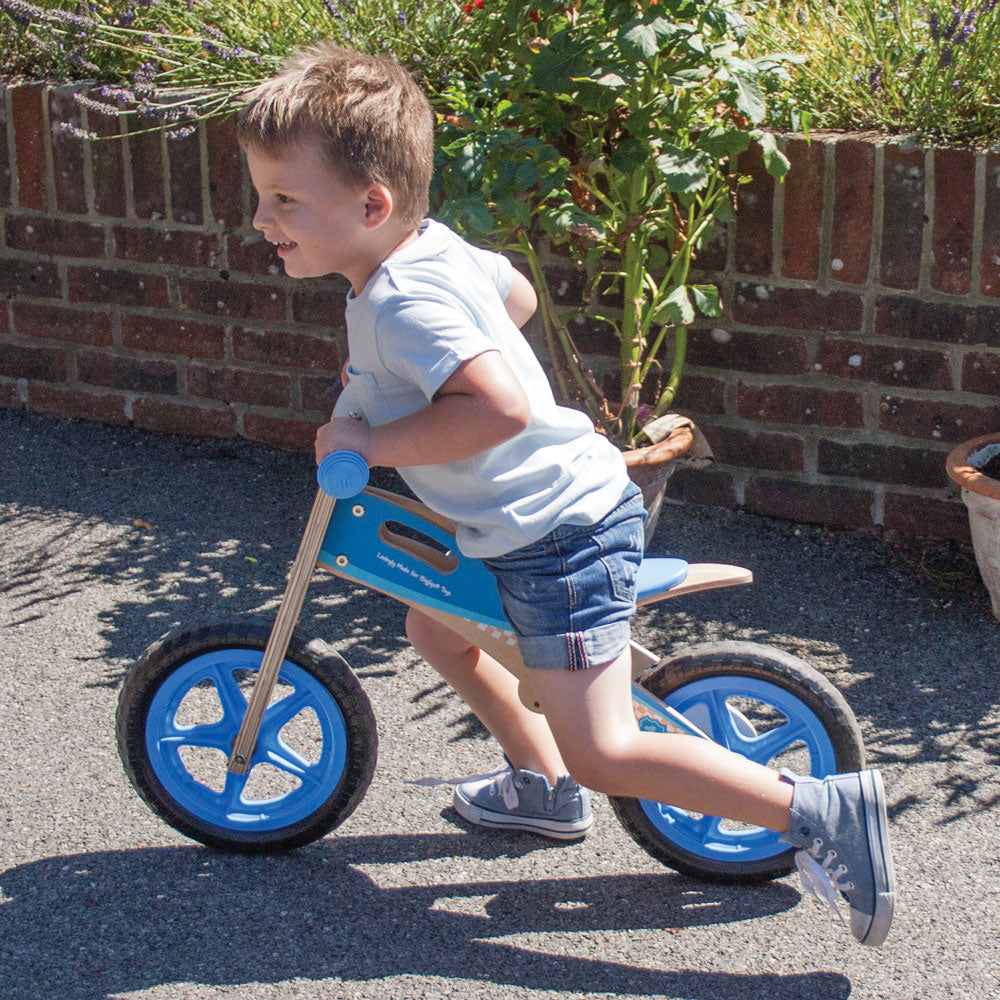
[841,825]
[524,800]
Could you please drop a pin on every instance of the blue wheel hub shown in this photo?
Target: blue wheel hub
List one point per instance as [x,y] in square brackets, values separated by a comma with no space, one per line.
[723,707]
[224,802]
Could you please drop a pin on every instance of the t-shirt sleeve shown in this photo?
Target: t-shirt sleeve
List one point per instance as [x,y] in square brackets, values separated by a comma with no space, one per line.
[497,268]
[423,341]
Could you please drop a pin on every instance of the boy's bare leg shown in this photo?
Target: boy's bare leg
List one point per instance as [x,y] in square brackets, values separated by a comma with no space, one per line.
[491,691]
[590,715]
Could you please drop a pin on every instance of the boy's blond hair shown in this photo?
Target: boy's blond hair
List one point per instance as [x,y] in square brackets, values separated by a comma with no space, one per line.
[371,120]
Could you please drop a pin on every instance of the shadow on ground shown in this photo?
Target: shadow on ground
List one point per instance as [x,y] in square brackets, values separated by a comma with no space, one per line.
[88,926]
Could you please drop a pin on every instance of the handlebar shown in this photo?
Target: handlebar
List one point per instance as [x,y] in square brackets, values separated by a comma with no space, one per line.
[342,474]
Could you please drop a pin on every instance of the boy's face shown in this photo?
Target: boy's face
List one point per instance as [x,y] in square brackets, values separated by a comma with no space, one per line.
[319,224]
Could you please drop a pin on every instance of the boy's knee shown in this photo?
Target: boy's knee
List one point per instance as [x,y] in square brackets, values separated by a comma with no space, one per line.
[429,636]
[596,765]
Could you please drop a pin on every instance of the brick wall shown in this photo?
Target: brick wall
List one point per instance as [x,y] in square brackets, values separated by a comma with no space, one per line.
[861,337]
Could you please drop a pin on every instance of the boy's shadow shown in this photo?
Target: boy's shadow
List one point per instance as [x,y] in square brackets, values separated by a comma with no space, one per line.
[89,926]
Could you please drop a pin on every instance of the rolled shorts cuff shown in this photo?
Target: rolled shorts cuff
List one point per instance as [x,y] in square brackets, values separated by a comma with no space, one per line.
[575,650]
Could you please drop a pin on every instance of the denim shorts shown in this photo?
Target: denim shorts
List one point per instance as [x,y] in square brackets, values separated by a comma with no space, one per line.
[570,595]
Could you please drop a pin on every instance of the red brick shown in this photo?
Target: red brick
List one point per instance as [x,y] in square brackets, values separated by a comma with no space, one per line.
[320,308]
[798,308]
[10,395]
[954,220]
[700,394]
[853,211]
[225,172]
[239,385]
[184,156]
[25,361]
[182,247]
[146,157]
[903,216]
[54,323]
[941,322]
[754,214]
[6,194]
[925,517]
[743,350]
[981,373]
[168,417]
[884,364]
[281,432]
[803,210]
[242,300]
[55,237]
[287,349]
[936,420]
[881,463]
[29,144]
[807,405]
[319,393]
[755,449]
[712,254]
[252,254]
[705,487]
[123,288]
[116,371]
[989,273]
[809,503]
[172,336]
[67,152]
[28,277]
[107,162]
[105,407]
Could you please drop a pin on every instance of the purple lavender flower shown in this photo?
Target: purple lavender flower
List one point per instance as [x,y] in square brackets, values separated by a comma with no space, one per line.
[946,56]
[956,19]
[875,79]
[918,59]
[934,23]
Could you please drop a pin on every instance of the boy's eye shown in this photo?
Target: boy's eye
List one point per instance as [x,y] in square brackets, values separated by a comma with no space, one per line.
[282,199]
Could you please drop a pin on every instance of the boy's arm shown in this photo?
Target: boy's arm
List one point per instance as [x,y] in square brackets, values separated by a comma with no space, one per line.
[481,405]
[521,301]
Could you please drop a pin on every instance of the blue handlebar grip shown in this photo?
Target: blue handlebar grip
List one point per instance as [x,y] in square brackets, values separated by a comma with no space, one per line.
[342,474]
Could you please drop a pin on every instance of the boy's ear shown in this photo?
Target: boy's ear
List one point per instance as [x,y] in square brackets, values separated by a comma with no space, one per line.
[378,205]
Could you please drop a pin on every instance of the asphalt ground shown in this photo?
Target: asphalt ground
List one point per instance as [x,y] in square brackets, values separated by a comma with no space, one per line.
[108,537]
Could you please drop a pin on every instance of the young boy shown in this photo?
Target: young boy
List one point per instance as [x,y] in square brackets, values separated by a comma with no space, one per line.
[340,149]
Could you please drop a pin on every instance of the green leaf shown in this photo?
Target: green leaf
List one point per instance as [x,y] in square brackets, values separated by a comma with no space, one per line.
[477,217]
[685,170]
[630,155]
[721,143]
[675,309]
[706,300]
[641,40]
[750,99]
[775,161]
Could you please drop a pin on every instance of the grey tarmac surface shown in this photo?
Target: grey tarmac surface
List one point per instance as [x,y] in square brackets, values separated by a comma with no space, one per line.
[108,537]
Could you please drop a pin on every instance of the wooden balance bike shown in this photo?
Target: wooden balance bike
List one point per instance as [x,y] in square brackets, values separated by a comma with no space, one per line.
[256,738]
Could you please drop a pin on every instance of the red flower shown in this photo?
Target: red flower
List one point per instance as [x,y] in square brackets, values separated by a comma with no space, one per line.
[468,8]
[479,4]
[534,16]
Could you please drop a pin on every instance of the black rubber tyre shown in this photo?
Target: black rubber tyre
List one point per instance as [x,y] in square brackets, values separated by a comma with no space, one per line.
[720,683]
[332,712]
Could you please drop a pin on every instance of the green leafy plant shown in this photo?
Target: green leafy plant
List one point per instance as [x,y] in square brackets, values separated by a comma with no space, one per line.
[611,132]
[925,68]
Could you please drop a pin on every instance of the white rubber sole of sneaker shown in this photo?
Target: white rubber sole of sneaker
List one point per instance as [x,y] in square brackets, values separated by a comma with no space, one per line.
[884,870]
[554,829]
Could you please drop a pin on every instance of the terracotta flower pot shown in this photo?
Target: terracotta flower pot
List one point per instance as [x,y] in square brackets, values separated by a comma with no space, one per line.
[650,468]
[982,498]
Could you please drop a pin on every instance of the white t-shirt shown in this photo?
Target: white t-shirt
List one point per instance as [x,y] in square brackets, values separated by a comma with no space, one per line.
[434,304]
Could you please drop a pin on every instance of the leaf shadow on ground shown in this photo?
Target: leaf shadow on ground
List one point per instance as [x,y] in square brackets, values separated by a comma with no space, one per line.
[100,924]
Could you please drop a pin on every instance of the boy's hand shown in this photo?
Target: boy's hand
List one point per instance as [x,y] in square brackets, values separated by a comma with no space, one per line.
[342,433]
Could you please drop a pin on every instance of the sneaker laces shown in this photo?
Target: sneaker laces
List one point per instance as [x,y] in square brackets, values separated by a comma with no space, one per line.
[820,879]
[501,783]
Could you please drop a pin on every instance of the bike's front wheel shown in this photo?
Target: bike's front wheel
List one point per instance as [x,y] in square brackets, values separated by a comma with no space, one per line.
[179,711]
[764,704]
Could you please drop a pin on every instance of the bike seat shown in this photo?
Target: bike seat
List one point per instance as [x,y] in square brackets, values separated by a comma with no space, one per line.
[657,575]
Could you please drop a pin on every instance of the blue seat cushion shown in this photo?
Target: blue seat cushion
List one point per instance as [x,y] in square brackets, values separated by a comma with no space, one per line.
[657,575]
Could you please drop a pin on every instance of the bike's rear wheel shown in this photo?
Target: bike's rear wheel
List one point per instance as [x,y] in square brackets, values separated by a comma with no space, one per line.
[181,706]
[764,704]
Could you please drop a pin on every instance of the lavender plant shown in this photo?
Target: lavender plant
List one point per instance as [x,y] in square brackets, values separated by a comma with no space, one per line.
[926,68]
[169,63]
